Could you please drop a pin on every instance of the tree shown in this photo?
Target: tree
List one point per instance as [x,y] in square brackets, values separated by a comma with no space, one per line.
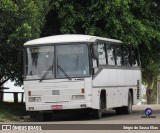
[150,49]
[21,20]
[134,22]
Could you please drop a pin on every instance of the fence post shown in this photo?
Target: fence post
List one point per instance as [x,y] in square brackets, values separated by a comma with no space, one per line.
[1,95]
[22,95]
[15,94]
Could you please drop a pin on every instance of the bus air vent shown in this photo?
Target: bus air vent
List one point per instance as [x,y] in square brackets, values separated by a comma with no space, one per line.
[138,89]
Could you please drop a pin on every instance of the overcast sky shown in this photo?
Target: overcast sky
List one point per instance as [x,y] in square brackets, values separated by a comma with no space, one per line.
[13,88]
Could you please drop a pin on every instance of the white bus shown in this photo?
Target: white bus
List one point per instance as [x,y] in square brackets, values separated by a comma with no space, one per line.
[80,72]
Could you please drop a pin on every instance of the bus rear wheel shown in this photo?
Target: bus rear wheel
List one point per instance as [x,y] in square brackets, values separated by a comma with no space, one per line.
[128,109]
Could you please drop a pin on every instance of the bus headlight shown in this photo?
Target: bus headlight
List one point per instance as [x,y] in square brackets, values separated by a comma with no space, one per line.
[34,99]
[78,97]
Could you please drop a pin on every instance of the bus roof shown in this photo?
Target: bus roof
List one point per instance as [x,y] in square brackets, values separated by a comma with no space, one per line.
[68,38]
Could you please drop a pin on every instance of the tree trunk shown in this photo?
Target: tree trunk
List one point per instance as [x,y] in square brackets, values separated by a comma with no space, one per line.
[149,92]
[149,95]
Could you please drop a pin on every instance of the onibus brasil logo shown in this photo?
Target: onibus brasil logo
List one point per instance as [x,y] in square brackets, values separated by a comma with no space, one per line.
[148,113]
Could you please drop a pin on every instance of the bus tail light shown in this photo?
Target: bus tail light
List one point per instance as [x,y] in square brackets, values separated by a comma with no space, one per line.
[82,90]
[29,93]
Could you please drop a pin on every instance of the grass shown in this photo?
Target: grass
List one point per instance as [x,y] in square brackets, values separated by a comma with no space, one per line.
[10,111]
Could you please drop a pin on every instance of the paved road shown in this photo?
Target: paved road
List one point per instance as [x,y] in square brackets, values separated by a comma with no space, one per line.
[108,118]
[111,117]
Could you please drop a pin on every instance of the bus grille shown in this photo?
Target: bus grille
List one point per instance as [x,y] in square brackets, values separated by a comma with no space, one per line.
[138,89]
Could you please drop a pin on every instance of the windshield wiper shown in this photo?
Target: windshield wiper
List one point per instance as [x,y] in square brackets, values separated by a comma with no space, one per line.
[46,73]
[64,72]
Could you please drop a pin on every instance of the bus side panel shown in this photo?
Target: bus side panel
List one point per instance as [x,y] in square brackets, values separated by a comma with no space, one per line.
[129,78]
[102,79]
[95,97]
[114,98]
[88,88]
[125,96]
[117,83]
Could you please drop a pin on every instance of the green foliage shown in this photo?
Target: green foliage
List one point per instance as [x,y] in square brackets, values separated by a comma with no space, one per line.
[134,22]
[130,21]
[21,20]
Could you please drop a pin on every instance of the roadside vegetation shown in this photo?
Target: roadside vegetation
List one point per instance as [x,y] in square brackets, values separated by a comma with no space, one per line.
[10,111]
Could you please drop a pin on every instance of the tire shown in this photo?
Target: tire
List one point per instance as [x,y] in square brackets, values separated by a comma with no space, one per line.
[97,113]
[128,109]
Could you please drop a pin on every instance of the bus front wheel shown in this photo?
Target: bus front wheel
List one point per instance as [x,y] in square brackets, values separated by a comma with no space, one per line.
[97,113]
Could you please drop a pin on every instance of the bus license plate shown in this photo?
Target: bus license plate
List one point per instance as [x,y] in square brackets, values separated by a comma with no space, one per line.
[56,107]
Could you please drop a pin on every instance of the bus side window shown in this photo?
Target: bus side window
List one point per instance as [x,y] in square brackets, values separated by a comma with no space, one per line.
[134,57]
[119,59]
[127,56]
[110,54]
[101,54]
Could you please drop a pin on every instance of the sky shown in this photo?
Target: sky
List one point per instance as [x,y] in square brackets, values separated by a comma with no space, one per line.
[13,88]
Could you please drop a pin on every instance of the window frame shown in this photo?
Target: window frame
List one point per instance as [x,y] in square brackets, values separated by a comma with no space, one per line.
[115,54]
[54,44]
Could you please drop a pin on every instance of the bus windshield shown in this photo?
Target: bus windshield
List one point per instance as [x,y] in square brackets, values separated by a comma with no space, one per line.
[57,61]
